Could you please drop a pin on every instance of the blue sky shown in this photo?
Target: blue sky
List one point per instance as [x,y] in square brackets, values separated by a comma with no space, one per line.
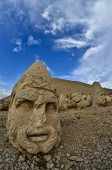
[72,38]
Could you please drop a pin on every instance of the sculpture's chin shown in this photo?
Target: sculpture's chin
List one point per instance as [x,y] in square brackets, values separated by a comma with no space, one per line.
[33,140]
[45,140]
[37,135]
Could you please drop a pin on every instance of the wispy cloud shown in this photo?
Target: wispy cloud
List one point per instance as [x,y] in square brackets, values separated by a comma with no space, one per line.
[67,43]
[37,58]
[3,83]
[46,13]
[4,93]
[49,69]
[32,40]
[95,23]
[3,88]
[18,44]
[107,84]
[17,49]
[96,63]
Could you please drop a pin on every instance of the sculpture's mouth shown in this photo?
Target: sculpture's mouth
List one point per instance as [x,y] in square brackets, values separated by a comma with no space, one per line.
[38,137]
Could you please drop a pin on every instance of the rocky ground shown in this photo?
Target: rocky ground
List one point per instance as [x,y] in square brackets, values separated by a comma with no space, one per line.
[86,144]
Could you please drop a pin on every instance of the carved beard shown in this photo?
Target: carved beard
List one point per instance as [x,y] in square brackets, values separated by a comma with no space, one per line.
[28,138]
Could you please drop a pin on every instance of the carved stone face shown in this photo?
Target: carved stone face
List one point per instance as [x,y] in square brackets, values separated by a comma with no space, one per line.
[100,99]
[34,124]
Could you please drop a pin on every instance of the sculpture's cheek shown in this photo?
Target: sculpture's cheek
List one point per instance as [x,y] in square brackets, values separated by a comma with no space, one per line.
[53,120]
[21,117]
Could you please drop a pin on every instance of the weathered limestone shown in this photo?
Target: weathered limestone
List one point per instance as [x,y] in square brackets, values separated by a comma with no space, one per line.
[84,104]
[4,104]
[82,100]
[97,96]
[76,97]
[33,123]
[72,104]
[108,99]
[101,100]
[63,101]
[74,101]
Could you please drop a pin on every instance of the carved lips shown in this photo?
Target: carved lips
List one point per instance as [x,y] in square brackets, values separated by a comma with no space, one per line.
[38,137]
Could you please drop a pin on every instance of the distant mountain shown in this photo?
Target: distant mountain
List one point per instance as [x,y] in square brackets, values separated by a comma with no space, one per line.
[67,86]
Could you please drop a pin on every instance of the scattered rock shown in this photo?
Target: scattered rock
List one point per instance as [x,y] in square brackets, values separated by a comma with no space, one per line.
[50,166]
[47,158]
[76,158]
[21,158]
[85,145]
[69,165]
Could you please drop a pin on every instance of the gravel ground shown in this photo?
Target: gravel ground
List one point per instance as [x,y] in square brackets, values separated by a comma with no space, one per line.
[86,144]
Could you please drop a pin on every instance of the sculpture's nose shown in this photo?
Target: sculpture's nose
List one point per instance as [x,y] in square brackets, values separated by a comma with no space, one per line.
[39,116]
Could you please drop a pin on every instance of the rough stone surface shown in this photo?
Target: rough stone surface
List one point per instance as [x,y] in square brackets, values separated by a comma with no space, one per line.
[86,144]
[76,97]
[75,94]
[33,123]
[86,140]
[47,158]
[4,104]
[74,101]
[84,103]
[98,95]
[63,101]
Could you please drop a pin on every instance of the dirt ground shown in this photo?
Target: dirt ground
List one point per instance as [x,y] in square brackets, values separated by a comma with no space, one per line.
[86,144]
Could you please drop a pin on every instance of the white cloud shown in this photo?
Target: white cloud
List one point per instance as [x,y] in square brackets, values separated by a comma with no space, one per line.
[48,68]
[36,57]
[94,19]
[32,40]
[57,25]
[18,43]
[17,49]
[3,83]
[46,13]
[107,84]
[4,93]
[3,89]
[66,43]
[96,63]
[91,51]
[100,19]
[46,31]
[58,14]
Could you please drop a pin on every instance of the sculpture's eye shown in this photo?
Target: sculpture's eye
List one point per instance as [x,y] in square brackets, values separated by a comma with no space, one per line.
[25,104]
[51,108]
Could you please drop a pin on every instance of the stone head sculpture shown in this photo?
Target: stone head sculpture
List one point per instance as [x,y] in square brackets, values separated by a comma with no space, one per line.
[33,123]
[97,95]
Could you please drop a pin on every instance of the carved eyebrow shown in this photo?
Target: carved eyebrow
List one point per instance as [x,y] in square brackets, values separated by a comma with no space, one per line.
[44,100]
[20,100]
[25,94]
